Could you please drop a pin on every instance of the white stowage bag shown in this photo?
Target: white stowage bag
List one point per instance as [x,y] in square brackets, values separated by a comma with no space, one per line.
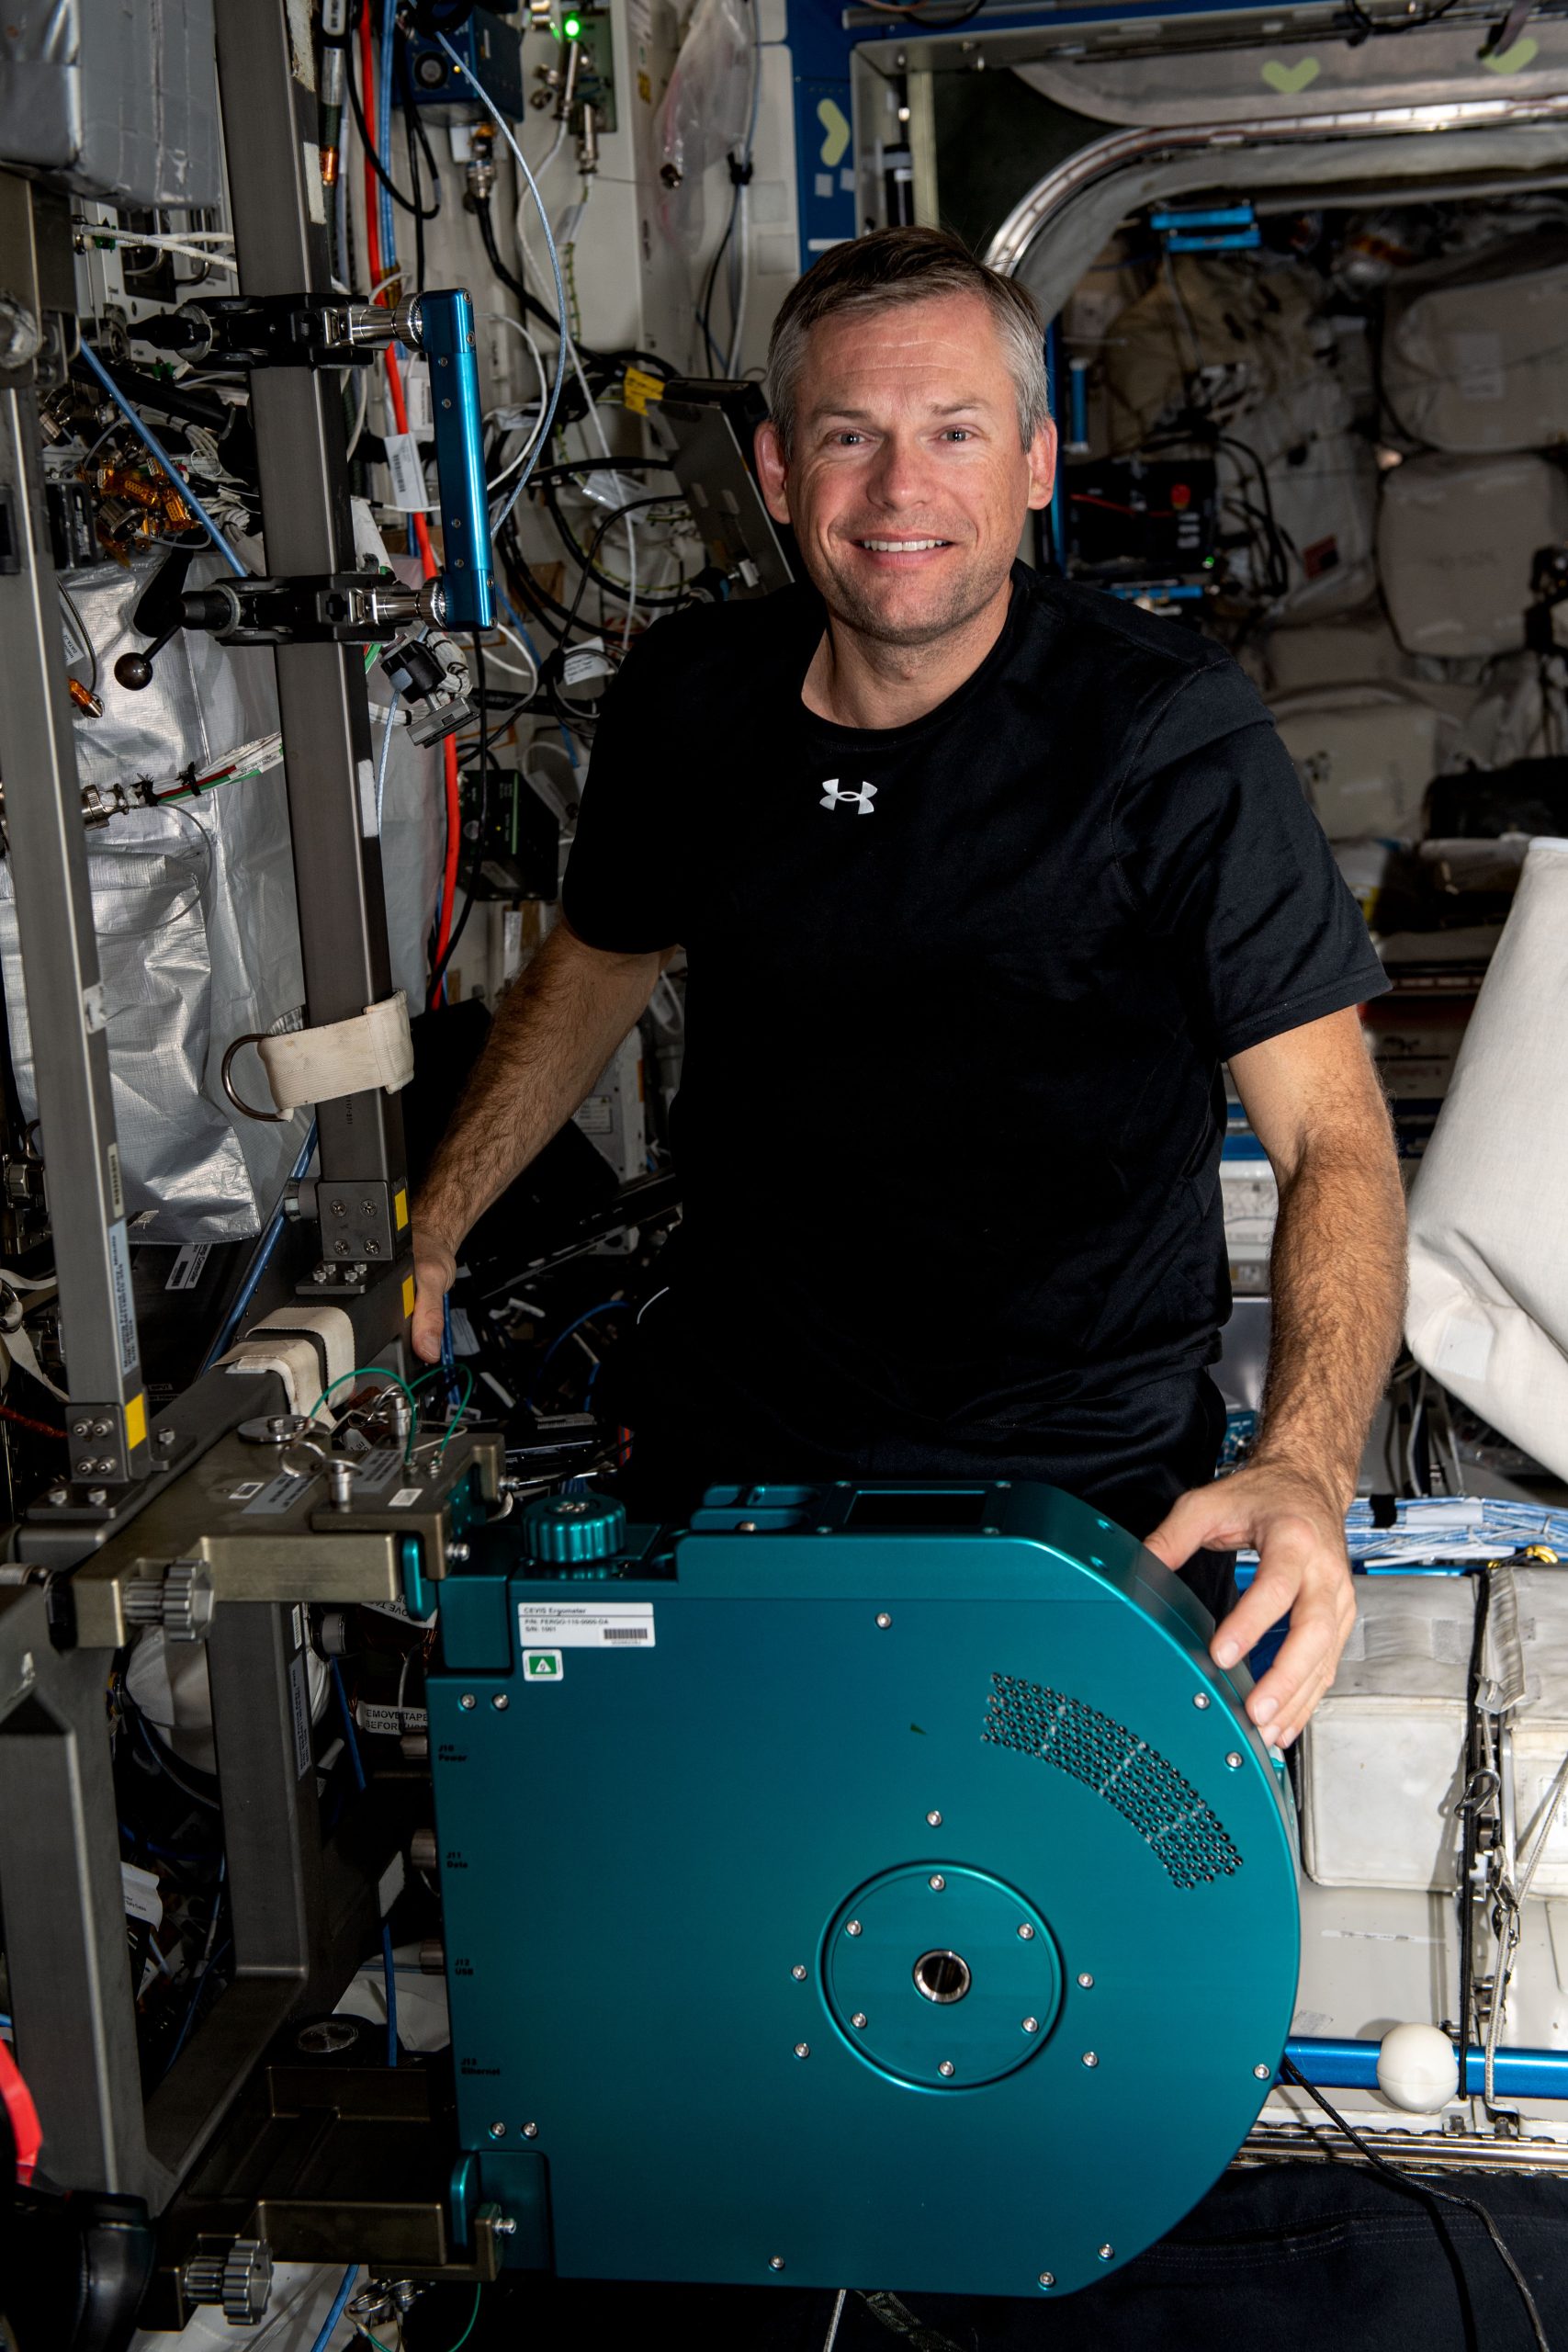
[1473,351]
[1365,755]
[705,114]
[1457,537]
[1488,1314]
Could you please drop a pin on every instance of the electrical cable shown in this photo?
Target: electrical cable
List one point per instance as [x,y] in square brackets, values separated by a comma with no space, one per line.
[266,1245]
[381,760]
[659,497]
[203,1964]
[69,601]
[339,2303]
[447,950]
[1291,2073]
[356,1762]
[161,458]
[606,1306]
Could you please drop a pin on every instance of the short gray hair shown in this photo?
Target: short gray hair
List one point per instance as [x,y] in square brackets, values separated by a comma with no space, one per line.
[894,265]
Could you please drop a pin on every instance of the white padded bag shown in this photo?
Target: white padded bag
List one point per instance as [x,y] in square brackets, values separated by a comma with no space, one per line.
[1488,1312]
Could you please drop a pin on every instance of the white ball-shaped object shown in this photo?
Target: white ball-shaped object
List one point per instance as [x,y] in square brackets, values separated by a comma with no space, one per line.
[1417,2068]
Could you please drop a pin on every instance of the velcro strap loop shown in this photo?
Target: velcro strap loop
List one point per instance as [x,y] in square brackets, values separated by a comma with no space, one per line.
[343,1058]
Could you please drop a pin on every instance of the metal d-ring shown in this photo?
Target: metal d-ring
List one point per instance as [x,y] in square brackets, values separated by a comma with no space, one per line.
[252,1037]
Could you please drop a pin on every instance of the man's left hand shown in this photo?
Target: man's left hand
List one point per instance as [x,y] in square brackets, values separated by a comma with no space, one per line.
[1297,1528]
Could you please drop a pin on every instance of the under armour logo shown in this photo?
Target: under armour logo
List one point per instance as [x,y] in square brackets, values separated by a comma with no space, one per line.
[832,795]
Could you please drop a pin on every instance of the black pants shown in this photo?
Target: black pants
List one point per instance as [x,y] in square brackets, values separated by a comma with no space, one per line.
[1129,1455]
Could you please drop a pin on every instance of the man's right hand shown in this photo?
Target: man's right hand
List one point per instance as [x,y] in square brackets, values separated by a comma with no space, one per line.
[434,1270]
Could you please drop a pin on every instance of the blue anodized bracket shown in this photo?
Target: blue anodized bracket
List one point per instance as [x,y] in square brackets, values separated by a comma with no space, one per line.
[444,327]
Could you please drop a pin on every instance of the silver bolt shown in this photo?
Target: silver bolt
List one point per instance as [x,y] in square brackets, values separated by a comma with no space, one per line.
[100,1429]
[498,2131]
[1087,1981]
[166,1439]
[1032,2025]
[858,2020]
[745,1527]
[372,1247]
[1091,2058]
[1199,1698]
[530,2131]
[56,1495]
[322,1274]
[803,2049]
[798,1972]
[883,1618]
[505,2227]
[499,1701]
[1047,2278]
[340,1248]
[934,1820]
[97,1494]
[366,1208]
[937,1882]
[1026,1933]
[946,2068]
[340,1208]
[457,1552]
[1234,1760]
[1108,2254]
[1263,2072]
[81,1429]
[852,1928]
[467,1702]
[776,2262]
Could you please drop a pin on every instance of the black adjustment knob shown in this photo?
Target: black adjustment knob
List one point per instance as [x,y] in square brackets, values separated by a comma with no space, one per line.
[134,671]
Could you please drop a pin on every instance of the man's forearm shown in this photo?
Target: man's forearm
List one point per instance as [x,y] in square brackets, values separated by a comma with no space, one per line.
[553,1034]
[1337,1281]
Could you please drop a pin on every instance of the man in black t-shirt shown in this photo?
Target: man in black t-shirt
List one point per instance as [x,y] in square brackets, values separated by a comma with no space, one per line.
[980,876]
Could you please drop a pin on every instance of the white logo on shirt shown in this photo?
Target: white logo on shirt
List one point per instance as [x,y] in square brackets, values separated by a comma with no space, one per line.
[832,795]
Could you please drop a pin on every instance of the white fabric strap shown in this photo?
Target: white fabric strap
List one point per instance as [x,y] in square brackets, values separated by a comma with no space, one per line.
[330,1325]
[342,1058]
[296,1362]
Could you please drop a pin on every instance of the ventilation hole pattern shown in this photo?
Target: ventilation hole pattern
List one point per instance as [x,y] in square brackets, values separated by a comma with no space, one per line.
[1188,1840]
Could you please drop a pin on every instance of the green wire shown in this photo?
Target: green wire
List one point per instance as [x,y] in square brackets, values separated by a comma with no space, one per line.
[364,1372]
[456,1424]
[473,2320]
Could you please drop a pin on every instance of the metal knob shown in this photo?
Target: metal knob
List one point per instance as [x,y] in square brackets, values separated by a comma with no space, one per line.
[422,1850]
[572,1528]
[240,2279]
[180,1600]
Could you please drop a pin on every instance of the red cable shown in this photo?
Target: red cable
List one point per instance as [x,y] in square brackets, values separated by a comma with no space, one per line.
[18,2102]
[26,1421]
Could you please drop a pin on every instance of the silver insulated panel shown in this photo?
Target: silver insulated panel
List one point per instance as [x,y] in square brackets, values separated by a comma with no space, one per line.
[115,98]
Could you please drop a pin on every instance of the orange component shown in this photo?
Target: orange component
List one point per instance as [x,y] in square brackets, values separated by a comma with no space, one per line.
[84,699]
[18,2102]
[1181,495]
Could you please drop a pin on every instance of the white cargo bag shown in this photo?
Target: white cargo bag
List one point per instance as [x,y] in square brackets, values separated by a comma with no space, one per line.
[1473,352]
[1365,756]
[1456,539]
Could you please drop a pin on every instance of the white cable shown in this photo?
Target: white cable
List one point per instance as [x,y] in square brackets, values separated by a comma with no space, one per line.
[510,668]
[385,747]
[742,223]
[364,374]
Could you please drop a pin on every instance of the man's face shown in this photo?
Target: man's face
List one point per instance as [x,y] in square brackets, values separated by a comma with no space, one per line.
[907,486]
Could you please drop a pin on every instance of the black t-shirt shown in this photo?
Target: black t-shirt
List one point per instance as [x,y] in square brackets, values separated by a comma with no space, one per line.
[949,1117]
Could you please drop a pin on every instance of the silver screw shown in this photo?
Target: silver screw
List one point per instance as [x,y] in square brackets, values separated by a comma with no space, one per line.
[366,1208]
[372,1247]
[803,2049]
[505,2227]
[322,1274]
[852,1928]
[1087,1981]
[467,1702]
[798,1972]
[937,1882]
[97,1494]
[1263,2072]
[1032,2025]
[883,1618]
[946,2067]
[56,1495]
[824,1531]
[1047,2278]
[1200,1698]
[1108,2254]
[1234,1760]
[498,2131]
[858,2020]
[457,1552]
[745,1527]
[100,1429]
[934,1820]
[166,1439]
[530,2131]
[499,1701]
[1026,1933]
[81,1429]
[776,2262]
[1091,2058]
[340,1248]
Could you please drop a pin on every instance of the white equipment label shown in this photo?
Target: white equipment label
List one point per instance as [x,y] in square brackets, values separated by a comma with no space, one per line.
[186,1272]
[585,1625]
[408,491]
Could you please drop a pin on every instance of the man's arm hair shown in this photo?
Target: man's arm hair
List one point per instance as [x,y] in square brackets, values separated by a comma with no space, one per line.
[554,1031]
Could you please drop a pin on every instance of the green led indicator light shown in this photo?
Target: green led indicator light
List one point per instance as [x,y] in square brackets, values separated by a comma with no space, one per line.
[572,27]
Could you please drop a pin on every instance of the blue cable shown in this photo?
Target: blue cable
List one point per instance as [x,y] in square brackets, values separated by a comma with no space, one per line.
[356,1761]
[339,2302]
[384,138]
[605,1308]
[542,440]
[265,1249]
[161,456]
[448,1352]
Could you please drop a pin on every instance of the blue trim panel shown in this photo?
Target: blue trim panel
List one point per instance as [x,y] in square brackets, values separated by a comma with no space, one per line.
[1353,2067]
[447,335]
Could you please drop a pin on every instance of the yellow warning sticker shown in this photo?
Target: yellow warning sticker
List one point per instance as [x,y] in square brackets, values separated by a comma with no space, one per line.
[640,388]
[400,1209]
[408,1296]
[136,1422]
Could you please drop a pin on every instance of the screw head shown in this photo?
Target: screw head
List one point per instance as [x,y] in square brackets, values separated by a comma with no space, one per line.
[166,1439]
[883,1618]
[56,1495]
[1234,1760]
[1047,2278]
[499,1701]
[946,2068]
[1200,1698]
[1108,2254]
[530,2131]
[803,2049]
[798,1972]
[1263,2072]
[858,2020]
[1087,1981]
[1091,2058]
[776,2262]
[81,1429]
[851,1926]
[937,1881]
[933,1820]
[97,1494]
[824,1531]
[1026,1933]
[467,1702]
[1032,2025]
[498,2131]
[745,1527]
[340,1248]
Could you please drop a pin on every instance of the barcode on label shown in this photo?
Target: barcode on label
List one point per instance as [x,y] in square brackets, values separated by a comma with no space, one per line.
[625,1633]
